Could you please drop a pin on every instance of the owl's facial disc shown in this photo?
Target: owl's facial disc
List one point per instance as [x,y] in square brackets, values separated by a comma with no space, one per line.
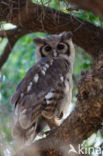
[61,48]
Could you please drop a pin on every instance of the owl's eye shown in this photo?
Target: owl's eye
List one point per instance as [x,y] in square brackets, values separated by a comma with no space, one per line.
[47,48]
[60,47]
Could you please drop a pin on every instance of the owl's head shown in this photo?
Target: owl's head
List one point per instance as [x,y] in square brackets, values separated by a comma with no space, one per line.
[54,46]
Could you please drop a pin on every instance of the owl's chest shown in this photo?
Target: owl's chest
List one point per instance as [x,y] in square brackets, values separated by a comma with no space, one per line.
[64,106]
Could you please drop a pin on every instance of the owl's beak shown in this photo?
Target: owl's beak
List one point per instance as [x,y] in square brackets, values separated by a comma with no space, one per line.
[54,53]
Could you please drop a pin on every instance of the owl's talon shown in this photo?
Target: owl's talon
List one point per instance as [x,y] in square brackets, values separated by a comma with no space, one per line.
[60,116]
[44,133]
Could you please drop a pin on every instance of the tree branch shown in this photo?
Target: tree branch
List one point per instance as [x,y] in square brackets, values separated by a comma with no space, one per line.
[86,119]
[43,19]
[95,6]
[34,17]
[48,20]
[12,35]
[8,33]
[9,9]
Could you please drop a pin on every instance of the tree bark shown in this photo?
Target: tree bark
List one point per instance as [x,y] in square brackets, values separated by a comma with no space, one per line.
[44,19]
[12,36]
[86,119]
[10,8]
[95,6]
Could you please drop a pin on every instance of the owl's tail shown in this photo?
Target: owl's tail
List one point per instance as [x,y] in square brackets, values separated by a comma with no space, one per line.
[23,136]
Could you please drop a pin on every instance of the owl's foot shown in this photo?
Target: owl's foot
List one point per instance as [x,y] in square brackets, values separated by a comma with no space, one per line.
[60,116]
[44,133]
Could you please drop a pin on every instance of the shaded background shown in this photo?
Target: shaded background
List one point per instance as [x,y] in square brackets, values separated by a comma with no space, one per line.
[21,59]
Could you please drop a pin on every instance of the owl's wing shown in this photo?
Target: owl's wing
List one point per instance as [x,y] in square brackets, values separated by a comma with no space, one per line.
[40,90]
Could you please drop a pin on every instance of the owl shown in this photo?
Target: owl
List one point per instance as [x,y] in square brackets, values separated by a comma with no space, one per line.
[44,94]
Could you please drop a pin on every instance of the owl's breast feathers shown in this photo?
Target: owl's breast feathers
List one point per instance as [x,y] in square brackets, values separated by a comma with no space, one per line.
[41,90]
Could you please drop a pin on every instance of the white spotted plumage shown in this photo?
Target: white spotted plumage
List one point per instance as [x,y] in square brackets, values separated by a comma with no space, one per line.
[47,66]
[29,86]
[22,94]
[36,78]
[24,111]
[43,72]
[49,95]
[62,78]
[44,68]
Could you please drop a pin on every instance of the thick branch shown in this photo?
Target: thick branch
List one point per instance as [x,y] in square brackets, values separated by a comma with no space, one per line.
[95,6]
[86,119]
[13,36]
[44,19]
[32,17]
[39,18]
